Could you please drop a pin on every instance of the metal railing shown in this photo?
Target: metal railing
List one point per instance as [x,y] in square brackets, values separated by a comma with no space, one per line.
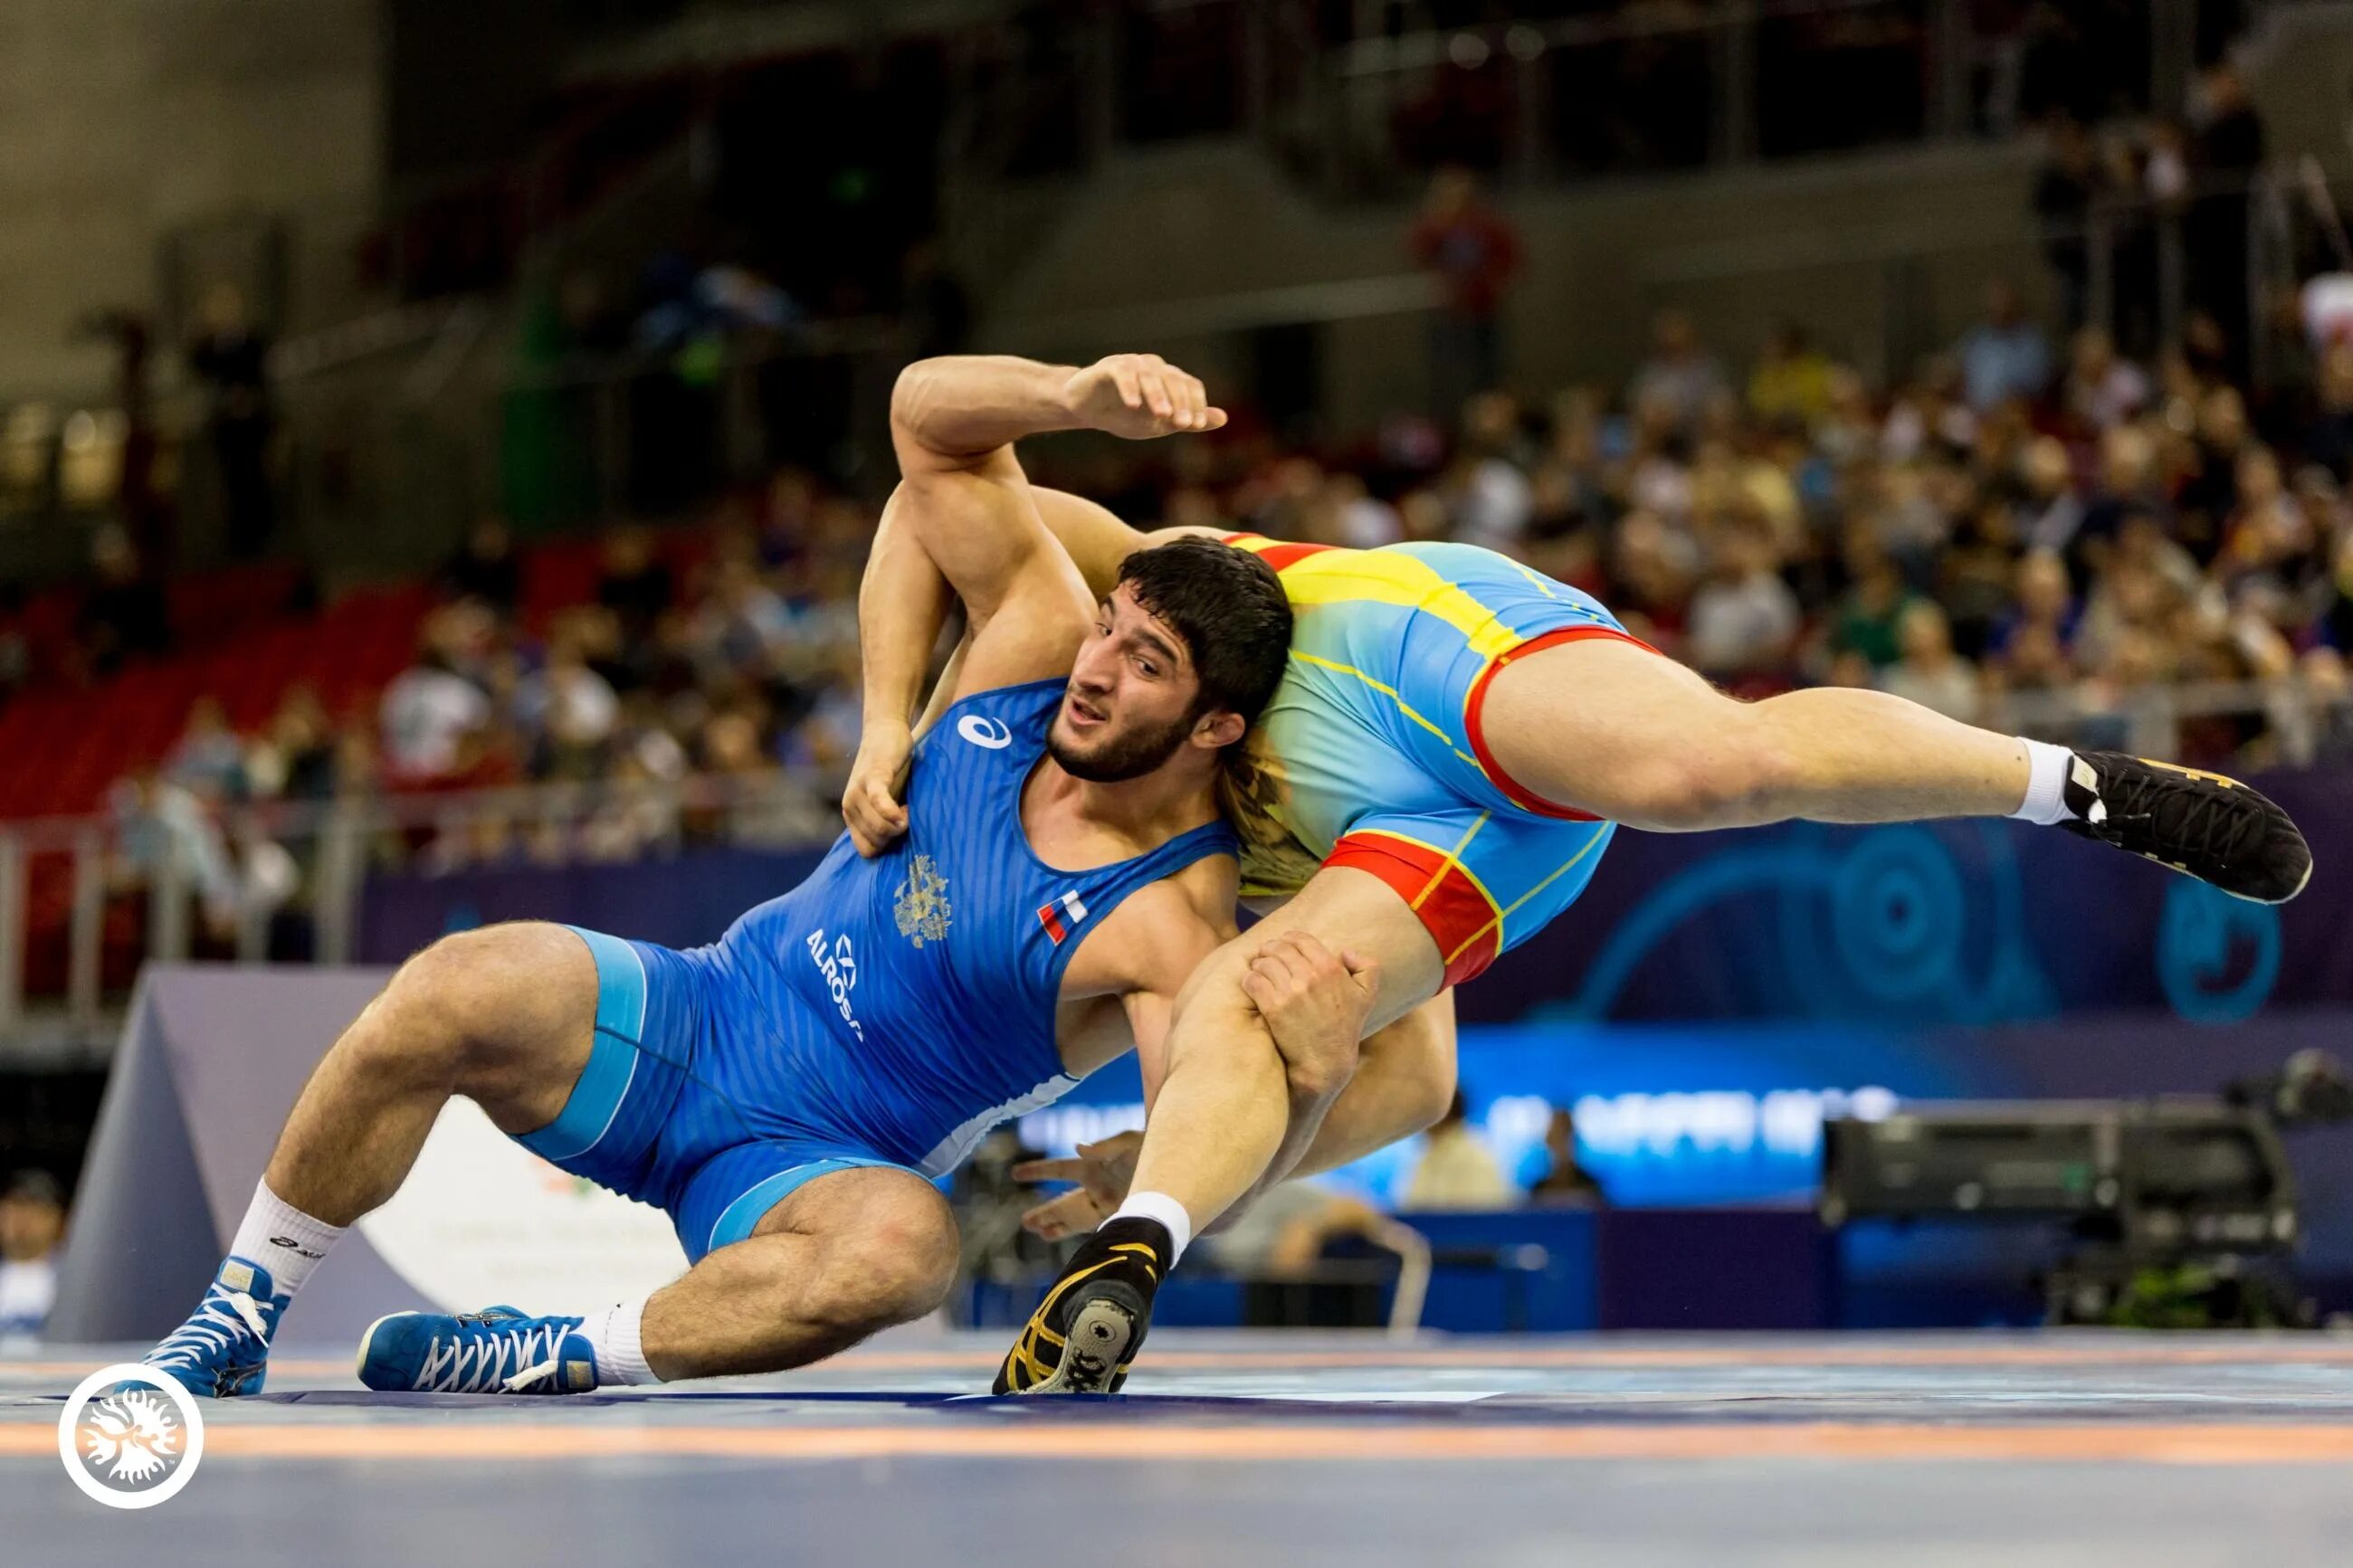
[285,880]
[273,871]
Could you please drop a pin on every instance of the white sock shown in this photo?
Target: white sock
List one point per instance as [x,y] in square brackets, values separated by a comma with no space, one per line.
[613,1335]
[1160,1207]
[2046,782]
[283,1239]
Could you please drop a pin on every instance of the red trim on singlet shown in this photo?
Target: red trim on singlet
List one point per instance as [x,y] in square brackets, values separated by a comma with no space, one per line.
[1442,896]
[1277,553]
[1474,725]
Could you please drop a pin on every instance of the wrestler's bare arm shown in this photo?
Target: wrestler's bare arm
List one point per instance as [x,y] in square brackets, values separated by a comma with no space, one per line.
[965,507]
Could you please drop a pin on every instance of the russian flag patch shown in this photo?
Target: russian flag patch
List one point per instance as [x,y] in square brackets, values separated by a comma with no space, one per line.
[1061,916]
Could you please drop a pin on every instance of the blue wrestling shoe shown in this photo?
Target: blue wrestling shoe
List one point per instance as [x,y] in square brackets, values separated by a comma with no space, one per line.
[495,1351]
[223,1349]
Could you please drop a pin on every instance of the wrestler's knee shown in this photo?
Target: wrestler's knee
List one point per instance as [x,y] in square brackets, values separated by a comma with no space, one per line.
[1213,1020]
[898,1263]
[1727,775]
[485,1005]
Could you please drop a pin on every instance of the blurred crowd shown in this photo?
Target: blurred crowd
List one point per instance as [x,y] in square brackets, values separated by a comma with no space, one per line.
[2025,516]
[2026,520]
[715,701]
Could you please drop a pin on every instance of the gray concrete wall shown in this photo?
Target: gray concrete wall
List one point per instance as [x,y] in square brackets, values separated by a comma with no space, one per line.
[126,119]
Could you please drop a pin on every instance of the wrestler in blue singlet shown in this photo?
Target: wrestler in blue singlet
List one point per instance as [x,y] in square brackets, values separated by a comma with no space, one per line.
[885,1012]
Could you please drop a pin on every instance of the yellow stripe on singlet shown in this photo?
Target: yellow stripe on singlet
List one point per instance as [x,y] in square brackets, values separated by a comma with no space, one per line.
[1468,875]
[1378,577]
[1495,925]
[1454,861]
[1388,691]
[1543,584]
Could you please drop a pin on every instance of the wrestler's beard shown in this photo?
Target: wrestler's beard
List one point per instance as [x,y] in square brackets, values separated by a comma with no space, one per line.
[1122,757]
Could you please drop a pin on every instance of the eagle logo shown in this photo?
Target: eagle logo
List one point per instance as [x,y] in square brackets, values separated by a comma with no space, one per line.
[131,1437]
[923,906]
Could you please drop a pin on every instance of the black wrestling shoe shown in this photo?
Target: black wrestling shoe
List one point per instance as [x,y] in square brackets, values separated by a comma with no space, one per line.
[1084,1335]
[2215,828]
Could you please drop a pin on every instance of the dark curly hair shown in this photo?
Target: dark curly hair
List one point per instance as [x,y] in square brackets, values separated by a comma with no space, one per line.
[1229,607]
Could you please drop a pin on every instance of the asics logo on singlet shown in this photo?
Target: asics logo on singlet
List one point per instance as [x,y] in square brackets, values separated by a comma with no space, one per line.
[984,731]
[838,964]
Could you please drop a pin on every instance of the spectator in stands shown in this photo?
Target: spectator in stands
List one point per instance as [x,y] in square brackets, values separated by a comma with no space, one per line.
[1564,1181]
[1473,251]
[569,711]
[293,757]
[1680,380]
[1654,567]
[2053,510]
[1792,380]
[485,566]
[32,1225]
[1360,520]
[208,758]
[2328,438]
[2335,620]
[1869,619]
[826,740]
[430,710]
[230,356]
[2005,355]
[631,582]
[357,760]
[1457,1170]
[1487,488]
[1745,619]
[2101,389]
[636,817]
[2044,601]
[1974,577]
[165,833]
[743,622]
[768,814]
[2129,483]
[2267,535]
[1285,1234]
[1930,673]
[125,614]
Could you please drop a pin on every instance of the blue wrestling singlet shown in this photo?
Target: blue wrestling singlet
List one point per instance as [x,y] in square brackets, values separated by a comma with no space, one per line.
[885,1012]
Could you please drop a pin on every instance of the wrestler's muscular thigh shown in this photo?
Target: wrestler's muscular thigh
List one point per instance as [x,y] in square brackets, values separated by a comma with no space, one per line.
[505,1015]
[1618,731]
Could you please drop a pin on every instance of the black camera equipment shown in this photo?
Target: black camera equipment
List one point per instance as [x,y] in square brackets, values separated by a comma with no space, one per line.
[2182,1209]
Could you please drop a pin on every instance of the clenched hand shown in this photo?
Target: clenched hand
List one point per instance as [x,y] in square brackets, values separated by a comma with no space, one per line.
[1140,396]
[1315,1006]
[870,803]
